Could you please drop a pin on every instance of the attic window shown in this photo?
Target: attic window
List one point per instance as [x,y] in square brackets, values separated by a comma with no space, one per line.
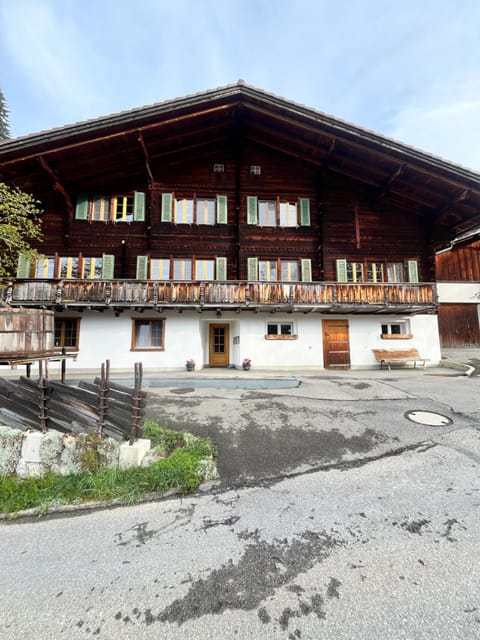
[218,168]
[255,170]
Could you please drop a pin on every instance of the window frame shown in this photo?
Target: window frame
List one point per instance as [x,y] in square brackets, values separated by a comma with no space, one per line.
[367,271]
[280,335]
[150,321]
[63,320]
[403,333]
[116,207]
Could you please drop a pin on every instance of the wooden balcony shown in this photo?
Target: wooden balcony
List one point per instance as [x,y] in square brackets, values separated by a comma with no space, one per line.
[325,297]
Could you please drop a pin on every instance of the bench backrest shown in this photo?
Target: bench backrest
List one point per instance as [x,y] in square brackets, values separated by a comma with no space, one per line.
[396,354]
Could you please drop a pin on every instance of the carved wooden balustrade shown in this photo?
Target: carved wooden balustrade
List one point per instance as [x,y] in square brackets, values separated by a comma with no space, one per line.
[311,296]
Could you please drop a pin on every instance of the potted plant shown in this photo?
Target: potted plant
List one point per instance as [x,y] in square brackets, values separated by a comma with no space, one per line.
[190,364]
[246,364]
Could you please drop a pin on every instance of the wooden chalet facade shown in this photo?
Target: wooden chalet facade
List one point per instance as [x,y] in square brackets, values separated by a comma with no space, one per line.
[233,223]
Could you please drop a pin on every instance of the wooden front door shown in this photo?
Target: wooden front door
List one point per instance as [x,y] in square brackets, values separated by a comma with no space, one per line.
[336,344]
[218,345]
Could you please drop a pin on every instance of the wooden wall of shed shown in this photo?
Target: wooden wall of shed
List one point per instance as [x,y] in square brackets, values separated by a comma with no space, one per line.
[343,222]
[461,263]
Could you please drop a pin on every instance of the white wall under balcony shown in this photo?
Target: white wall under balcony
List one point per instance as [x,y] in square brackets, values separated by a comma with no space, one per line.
[459,292]
[104,336]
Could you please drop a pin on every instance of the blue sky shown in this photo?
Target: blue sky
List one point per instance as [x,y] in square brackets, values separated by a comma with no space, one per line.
[409,70]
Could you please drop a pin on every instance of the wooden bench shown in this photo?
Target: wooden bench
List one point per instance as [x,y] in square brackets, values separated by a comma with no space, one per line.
[402,356]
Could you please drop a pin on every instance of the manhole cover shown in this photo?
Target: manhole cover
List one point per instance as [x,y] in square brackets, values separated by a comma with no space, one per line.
[429,418]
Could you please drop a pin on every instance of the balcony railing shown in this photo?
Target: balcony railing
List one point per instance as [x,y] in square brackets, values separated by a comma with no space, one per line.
[405,297]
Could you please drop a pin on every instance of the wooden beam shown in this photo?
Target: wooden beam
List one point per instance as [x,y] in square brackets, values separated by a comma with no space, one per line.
[145,156]
[385,188]
[57,185]
[447,208]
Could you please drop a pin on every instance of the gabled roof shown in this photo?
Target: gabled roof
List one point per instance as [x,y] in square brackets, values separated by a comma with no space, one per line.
[127,143]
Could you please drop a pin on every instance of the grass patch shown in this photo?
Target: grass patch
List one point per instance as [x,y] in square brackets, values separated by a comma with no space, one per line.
[180,470]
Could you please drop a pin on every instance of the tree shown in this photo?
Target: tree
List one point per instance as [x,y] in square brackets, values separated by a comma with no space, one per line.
[4,122]
[20,224]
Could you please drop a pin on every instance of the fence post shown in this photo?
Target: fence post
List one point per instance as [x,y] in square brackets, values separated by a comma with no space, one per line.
[43,416]
[136,408]
[102,395]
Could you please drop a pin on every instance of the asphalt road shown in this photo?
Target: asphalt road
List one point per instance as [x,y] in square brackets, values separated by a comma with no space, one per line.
[375,537]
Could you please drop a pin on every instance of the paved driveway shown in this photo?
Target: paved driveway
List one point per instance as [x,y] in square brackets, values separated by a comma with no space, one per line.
[333,421]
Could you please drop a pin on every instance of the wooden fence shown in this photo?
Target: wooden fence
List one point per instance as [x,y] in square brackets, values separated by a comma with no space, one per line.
[110,409]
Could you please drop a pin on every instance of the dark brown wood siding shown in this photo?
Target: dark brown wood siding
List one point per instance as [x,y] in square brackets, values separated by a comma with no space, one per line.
[462,263]
[459,325]
[345,223]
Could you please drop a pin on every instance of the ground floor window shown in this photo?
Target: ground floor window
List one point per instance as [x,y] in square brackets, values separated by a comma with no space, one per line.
[67,333]
[280,330]
[148,334]
[396,329]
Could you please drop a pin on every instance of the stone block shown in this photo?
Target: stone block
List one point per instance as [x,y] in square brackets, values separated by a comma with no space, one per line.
[132,455]
[31,446]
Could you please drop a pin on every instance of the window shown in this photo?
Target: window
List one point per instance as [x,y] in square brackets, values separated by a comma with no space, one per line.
[278,270]
[395,272]
[159,269]
[148,334]
[111,208]
[66,333]
[218,168]
[354,272]
[204,269]
[255,170]
[182,269]
[194,210]
[280,331]
[376,271]
[278,212]
[392,330]
[72,267]
[45,268]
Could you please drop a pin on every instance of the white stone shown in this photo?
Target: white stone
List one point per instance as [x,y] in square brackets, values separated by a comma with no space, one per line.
[31,446]
[29,469]
[132,455]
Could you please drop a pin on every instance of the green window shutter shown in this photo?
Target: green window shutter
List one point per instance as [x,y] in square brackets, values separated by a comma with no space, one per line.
[167,207]
[412,270]
[139,206]
[220,268]
[252,268]
[81,209]
[222,210]
[252,210]
[305,212]
[341,266]
[142,267]
[23,267]
[306,270]
[108,267]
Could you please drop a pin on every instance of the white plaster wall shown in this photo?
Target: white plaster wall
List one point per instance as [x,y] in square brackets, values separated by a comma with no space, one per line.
[104,336]
[466,292]
[365,335]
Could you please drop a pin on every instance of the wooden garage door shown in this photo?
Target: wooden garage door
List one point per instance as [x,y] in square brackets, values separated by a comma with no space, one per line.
[458,325]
